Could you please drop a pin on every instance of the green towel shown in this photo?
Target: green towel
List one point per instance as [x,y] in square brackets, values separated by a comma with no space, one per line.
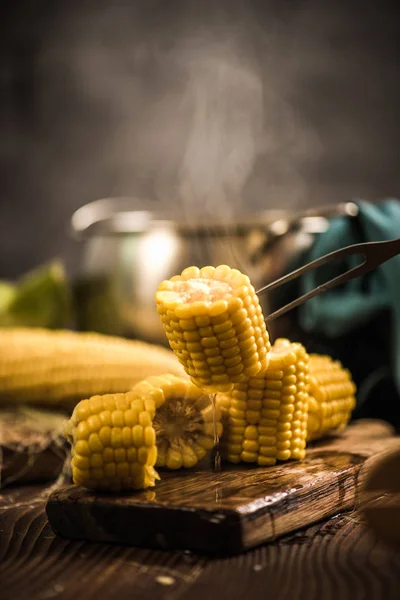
[358,302]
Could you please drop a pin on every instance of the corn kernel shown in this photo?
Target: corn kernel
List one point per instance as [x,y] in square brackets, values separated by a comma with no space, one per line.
[105,436]
[82,448]
[119,455]
[137,436]
[142,455]
[80,462]
[110,469]
[149,436]
[108,455]
[122,470]
[94,443]
[116,437]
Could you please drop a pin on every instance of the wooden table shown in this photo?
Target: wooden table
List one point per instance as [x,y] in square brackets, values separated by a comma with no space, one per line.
[336,559]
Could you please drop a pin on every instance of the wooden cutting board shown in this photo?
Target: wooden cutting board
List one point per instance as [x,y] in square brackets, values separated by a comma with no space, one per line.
[229,511]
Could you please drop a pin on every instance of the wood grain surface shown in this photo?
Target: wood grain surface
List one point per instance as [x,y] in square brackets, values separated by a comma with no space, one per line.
[380,498]
[229,511]
[337,558]
[31,446]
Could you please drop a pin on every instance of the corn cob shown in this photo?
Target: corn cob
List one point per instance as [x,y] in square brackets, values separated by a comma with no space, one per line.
[214,324]
[332,396]
[265,418]
[186,422]
[118,439]
[39,366]
[113,442]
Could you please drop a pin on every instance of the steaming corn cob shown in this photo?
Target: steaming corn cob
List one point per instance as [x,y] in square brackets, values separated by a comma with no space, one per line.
[39,366]
[115,438]
[331,396]
[265,418]
[214,324]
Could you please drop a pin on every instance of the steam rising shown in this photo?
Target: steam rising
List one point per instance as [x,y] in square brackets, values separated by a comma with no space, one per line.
[226,102]
[188,117]
[200,105]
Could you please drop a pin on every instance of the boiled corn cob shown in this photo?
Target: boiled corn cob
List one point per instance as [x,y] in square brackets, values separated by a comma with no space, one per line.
[39,366]
[117,439]
[214,324]
[187,423]
[113,442]
[265,418]
[332,396]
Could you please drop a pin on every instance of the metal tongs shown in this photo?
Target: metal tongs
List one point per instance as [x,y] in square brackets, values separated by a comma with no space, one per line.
[374,253]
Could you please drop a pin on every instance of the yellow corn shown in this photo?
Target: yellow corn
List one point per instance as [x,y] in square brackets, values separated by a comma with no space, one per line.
[332,396]
[113,442]
[265,418]
[214,324]
[39,366]
[117,439]
[186,421]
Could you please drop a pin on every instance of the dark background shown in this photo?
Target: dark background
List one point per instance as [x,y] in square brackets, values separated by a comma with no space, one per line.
[263,103]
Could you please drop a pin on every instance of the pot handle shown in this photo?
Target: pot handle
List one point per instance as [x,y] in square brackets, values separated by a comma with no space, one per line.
[110,216]
[313,219]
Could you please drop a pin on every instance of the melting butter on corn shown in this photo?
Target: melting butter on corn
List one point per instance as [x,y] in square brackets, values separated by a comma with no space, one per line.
[214,324]
[200,290]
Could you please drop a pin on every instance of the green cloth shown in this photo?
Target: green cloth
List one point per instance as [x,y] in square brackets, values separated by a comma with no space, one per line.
[356,303]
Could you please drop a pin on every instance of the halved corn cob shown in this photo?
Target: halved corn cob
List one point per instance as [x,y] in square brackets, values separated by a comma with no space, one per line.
[187,423]
[265,418]
[332,396]
[113,442]
[214,324]
[38,366]
[118,439]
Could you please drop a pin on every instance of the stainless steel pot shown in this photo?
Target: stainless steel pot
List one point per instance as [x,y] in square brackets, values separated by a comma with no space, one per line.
[128,250]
